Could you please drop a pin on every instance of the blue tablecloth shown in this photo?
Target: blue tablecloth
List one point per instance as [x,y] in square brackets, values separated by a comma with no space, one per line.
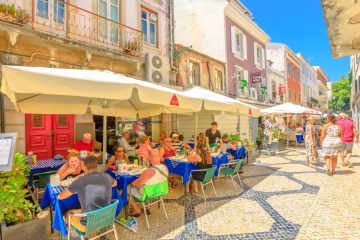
[239,153]
[72,202]
[45,166]
[300,138]
[180,168]
[218,160]
[122,181]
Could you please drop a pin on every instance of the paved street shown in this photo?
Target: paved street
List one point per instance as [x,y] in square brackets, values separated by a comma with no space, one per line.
[281,199]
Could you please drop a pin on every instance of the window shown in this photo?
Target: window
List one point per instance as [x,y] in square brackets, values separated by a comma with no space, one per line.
[194,73]
[59,8]
[148,26]
[259,55]
[241,77]
[289,95]
[109,9]
[218,80]
[289,70]
[238,43]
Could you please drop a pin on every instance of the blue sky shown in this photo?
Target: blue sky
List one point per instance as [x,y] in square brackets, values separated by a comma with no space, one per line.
[299,24]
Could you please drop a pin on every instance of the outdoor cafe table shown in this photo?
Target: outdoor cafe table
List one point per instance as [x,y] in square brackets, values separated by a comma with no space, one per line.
[238,153]
[44,166]
[122,179]
[219,159]
[61,206]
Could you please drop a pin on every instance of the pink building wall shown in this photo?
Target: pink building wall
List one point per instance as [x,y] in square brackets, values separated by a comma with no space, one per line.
[248,64]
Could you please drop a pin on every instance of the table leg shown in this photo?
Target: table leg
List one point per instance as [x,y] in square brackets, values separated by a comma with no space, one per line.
[51,219]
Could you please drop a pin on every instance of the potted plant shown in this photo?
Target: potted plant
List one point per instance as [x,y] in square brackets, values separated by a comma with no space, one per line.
[19,216]
[242,85]
[235,139]
[278,140]
[10,13]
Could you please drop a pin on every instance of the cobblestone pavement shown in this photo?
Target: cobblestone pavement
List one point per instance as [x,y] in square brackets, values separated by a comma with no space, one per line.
[281,199]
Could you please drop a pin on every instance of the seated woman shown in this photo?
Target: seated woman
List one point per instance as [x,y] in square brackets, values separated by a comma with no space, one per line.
[299,131]
[200,155]
[145,149]
[162,138]
[167,151]
[117,158]
[97,152]
[74,167]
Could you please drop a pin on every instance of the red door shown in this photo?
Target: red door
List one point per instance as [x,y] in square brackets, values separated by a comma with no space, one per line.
[49,135]
[38,135]
[63,133]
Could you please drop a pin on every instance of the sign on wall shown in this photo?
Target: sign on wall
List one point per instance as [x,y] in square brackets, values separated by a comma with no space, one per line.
[255,77]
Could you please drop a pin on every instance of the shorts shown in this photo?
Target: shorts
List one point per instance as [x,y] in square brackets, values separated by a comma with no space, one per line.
[348,146]
[136,192]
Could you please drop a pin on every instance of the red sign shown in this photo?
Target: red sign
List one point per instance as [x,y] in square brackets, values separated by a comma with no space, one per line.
[174,101]
[250,111]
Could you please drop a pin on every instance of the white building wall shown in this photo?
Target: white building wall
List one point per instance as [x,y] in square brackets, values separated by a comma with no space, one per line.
[275,52]
[201,24]
[309,84]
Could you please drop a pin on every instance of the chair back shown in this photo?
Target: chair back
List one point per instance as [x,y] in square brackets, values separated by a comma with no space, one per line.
[238,165]
[100,218]
[154,190]
[210,172]
[40,180]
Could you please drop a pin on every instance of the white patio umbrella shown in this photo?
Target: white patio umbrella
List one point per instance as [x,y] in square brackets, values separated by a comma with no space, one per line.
[213,101]
[289,108]
[72,91]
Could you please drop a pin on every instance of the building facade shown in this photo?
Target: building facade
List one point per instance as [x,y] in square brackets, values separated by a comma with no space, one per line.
[285,61]
[276,83]
[322,80]
[309,84]
[355,88]
[120,36]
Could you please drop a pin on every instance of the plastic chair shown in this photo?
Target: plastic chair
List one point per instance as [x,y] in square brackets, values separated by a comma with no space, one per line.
[95,221]
[150,193]
[233,172]
[210,172]
[40,180]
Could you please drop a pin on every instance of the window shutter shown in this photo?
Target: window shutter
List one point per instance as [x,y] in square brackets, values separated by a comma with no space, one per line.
[263,57]
[255,55]
[236,79]
[233,40]
[245,46]
[246,75]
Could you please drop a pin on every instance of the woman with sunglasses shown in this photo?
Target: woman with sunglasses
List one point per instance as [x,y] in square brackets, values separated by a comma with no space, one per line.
[117,158]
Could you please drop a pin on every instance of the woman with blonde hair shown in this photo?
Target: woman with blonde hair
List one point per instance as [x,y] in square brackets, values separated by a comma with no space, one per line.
[331,143]
[73,167]
[145,149]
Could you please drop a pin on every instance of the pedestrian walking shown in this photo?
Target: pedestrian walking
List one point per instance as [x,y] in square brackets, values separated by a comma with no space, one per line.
[331,143]
[349,133]
[311,152]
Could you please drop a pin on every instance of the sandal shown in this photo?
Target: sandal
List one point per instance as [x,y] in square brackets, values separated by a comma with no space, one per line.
[132,214]
[328,172]
[147,211]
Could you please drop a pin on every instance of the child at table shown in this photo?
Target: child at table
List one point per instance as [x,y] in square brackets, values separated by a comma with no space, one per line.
[74,167]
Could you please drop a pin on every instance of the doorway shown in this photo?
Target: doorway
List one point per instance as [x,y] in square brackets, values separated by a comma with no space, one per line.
[48,135]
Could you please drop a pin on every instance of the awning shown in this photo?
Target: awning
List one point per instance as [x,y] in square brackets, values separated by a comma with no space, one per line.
[72,91]
[213,101]
[343,21]
[289,108]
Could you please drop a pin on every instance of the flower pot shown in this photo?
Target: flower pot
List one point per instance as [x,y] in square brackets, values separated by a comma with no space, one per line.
[34,229]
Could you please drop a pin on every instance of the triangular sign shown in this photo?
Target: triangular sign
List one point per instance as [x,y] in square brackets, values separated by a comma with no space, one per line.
[174,101]
[250,111]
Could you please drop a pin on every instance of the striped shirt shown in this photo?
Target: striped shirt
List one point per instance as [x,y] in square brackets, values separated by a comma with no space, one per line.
[178,146]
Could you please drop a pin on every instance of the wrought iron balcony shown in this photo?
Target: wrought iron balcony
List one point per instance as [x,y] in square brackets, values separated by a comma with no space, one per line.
[70,22]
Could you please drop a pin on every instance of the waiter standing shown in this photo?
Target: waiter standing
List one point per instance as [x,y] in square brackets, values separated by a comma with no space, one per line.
[213,136]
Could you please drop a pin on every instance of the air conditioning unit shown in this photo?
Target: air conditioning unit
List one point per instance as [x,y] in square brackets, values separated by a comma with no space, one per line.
[253,94]
[156,68]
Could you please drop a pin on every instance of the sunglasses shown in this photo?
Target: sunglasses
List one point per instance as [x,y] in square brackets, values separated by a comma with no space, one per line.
[120,151]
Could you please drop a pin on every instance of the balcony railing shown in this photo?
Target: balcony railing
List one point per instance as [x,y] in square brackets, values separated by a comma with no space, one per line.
[64,20]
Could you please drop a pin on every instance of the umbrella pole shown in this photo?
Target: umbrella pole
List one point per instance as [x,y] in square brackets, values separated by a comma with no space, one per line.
[196,128]
[104,133]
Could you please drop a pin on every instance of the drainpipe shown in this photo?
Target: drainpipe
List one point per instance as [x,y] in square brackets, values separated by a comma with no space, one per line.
[171,31]
[2,108]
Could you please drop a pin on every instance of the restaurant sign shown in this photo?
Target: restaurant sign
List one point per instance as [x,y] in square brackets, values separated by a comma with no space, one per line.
[256,78]
[174,101]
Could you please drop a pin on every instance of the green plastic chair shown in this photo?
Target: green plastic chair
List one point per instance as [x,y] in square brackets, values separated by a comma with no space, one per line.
[40,180]
[95,221]
[151,192]
[208,178]
[233,172]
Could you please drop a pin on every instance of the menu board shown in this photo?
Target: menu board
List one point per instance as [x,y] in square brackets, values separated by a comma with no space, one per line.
[7,146]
